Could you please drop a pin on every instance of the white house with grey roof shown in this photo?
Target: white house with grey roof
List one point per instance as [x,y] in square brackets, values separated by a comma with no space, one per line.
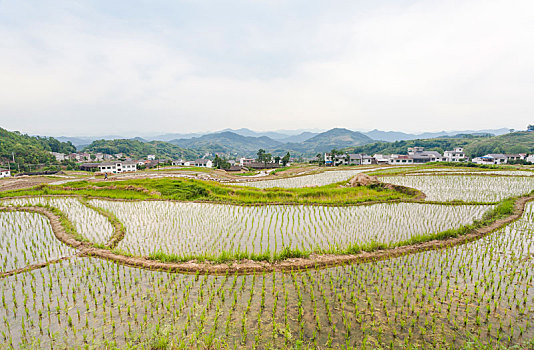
[203,163]
[457,155]
[419,155]
[117,167]
[493,158]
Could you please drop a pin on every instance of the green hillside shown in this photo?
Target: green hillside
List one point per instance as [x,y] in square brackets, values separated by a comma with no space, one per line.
[474,146]
[30,149]
[326,141]
[138,149]
[228,143]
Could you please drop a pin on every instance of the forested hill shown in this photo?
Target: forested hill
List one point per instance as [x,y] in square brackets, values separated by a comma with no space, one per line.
[30,149]
[138,149]
[474,146]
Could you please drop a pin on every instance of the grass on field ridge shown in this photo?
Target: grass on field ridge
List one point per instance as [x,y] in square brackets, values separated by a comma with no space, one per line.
[198,190]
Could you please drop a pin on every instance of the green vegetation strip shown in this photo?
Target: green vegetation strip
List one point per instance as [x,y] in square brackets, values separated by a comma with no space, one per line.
[208,191]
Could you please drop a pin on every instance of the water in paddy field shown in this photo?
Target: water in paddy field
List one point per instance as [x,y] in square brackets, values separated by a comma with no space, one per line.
[200,228]
[469,188]
[478,293]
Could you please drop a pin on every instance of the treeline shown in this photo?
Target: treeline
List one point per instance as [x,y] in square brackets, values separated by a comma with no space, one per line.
[474,145]
[137,149]
[30,150]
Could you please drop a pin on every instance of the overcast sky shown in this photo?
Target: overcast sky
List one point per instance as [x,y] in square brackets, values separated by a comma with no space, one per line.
[79,67]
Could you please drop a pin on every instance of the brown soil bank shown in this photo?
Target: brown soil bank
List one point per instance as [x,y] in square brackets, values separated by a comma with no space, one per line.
[247,266]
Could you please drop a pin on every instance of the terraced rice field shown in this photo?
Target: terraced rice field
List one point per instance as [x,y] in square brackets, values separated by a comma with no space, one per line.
[200,228]
[474,295]
[89,223]
[26,239]
[469,172]
[320,179]
[470,188]
[478,293]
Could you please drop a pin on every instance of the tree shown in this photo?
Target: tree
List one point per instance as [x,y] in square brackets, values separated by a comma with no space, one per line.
[221,163]
[285,159]
[277,159]
[267,157]
[261,154]
[264,156]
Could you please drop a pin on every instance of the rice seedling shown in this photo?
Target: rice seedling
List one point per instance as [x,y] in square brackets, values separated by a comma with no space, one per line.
[170,231]
[476,295]
[27,238]
[314,180]
[466,188]
[88,223]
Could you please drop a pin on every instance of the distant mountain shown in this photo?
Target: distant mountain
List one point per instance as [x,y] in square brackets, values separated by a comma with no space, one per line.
[82,141]
[138,149]
[246,142]
[228,143]
[169,137]
[391,136]
[306,135]
[326,141]
[250,133]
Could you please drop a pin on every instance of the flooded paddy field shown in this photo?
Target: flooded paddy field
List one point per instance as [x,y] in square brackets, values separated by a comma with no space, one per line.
[469,188]
[197,228]
[480,293]
[473,295]
[320,179]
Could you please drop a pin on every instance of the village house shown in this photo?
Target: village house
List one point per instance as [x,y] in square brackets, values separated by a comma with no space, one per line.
[400,159]
[367,160]
[328,159]
[530,158]
[354,159]
[381,159]
[203,163]
[457,155]
[348,159]
[491,159]
[89,166]
[419,155]
[510,157]
[262,165]
[151,157]
[5,173]
[117,167]
[246,161]
[181,162]
[59,156]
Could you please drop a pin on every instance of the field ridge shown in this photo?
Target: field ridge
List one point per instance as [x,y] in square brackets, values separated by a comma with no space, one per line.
[248,266]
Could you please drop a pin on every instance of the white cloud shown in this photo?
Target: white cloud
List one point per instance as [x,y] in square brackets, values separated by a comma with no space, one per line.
[412,67]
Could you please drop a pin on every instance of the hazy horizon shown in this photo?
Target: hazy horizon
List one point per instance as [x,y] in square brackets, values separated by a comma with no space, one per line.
[288,132]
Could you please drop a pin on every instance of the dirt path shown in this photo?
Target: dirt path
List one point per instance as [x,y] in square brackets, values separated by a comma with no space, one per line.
[17,183]
[247,266]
